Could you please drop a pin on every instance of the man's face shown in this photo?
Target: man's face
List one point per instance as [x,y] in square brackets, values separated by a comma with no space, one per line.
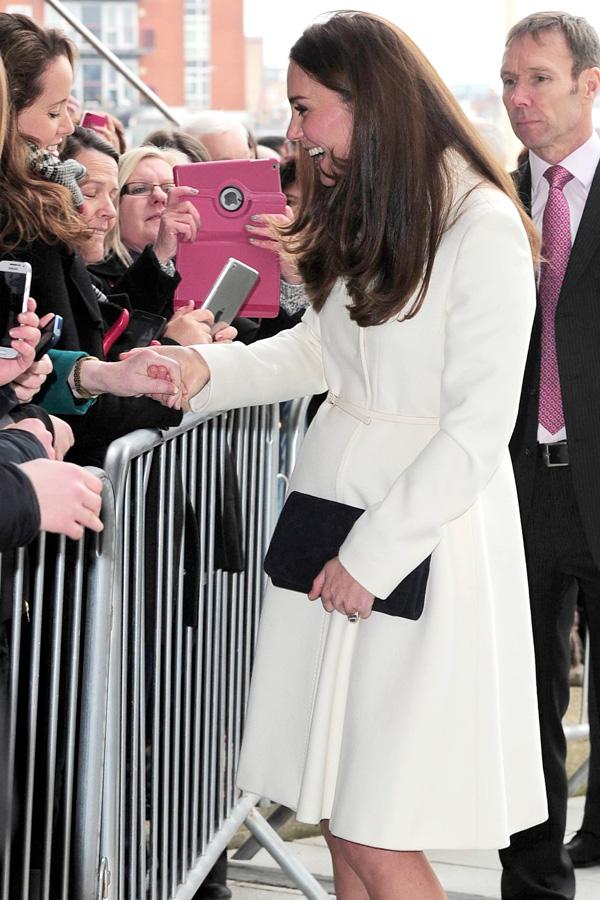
[549,110]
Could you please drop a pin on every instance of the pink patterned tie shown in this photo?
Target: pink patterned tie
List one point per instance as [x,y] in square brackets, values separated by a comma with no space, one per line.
[556,249]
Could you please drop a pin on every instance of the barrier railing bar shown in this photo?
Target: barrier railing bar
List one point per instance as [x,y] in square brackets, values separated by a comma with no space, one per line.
[13,698]
[221,611]
[53,707]
[34,686]
[157,694]
[178,464]
[271,841]
[207,683]
[200,509]
[186,456]
[167,862]
[72,698]
[92,744]
[124,838]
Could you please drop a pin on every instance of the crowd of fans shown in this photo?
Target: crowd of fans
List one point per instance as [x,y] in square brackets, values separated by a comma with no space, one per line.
[99,225]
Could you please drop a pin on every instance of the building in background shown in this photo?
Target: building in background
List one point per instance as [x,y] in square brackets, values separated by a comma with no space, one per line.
[190,52]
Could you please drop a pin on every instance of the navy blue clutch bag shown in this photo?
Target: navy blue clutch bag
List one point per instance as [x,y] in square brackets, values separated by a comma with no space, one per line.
[309,532]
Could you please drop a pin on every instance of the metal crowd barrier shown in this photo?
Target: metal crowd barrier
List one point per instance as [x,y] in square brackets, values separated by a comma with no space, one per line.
[54,647]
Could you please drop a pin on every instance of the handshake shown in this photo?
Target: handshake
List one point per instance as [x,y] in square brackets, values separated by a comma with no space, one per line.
[179,373]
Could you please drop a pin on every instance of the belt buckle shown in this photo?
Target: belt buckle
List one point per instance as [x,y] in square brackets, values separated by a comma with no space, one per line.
[548,461]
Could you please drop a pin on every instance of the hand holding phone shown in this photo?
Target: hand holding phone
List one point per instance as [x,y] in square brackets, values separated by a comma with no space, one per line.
[230,291]
[15,282]
[50,336]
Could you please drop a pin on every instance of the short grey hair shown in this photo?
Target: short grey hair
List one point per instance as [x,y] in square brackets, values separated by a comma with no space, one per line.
[581,38]
[213,121]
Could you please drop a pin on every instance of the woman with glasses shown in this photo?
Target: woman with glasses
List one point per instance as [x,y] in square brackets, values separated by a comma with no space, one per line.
[148,282]
[152,213]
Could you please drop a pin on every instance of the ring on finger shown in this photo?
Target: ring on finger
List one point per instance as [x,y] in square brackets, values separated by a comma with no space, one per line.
[353,617]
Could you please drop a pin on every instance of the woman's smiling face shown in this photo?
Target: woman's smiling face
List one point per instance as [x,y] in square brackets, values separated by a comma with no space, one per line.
[321,121]
[47,120]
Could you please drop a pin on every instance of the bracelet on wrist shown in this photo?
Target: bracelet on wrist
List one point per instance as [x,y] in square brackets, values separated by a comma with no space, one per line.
[79,390]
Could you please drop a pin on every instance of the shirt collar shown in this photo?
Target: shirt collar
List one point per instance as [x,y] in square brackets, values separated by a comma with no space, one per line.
[581,163]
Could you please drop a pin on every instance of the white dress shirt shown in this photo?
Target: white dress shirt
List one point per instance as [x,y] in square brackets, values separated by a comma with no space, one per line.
[582,164]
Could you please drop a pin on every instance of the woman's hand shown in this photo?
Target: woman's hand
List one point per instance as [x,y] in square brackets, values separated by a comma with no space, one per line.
[265,232]
[69,497]
[28,383]
[141,373]
[193,326]
[338,590]
[180,220]
[25,337]
[63,437]
[188,325]
[195,373]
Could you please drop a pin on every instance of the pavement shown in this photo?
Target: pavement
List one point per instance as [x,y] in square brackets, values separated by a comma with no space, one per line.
[465,874]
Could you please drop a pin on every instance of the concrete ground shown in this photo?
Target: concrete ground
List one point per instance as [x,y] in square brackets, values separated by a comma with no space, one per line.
[466,875]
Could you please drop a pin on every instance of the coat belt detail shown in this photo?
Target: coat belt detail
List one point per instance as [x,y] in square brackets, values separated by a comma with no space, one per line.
[366,416]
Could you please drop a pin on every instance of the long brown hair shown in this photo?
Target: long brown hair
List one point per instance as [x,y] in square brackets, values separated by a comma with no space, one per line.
[379,226]
[30,207]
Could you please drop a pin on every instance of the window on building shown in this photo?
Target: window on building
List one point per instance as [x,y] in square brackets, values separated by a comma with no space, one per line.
[91,17]
[91,82]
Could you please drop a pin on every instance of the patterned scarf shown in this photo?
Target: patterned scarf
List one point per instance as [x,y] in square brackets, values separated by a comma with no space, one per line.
[68,172]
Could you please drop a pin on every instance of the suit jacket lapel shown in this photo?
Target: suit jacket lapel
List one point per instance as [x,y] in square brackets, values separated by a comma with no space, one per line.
[587,240]
[522,179]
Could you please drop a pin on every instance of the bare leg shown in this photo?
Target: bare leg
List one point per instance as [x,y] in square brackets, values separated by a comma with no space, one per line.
[390,874]
[348,885]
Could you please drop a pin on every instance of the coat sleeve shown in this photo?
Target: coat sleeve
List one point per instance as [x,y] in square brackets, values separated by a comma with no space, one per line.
[489,313]
[282,367]
[56,396]
[20,520]
[148,287]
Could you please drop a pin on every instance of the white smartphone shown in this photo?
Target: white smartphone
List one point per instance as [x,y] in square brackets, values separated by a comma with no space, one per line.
[15,282]
[230,291]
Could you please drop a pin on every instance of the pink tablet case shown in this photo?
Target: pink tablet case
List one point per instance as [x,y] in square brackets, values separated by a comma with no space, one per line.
[229,193]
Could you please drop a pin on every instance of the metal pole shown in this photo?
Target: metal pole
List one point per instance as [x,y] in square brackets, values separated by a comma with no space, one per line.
[270,840]
[120,66]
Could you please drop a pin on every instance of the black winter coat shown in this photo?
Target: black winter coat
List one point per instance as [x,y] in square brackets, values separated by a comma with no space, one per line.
[61,284]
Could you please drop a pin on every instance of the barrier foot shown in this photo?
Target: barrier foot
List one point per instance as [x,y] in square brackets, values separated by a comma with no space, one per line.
[276,820]
[270,840]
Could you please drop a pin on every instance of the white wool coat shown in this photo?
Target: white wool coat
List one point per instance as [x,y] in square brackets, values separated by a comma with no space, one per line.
[406,735]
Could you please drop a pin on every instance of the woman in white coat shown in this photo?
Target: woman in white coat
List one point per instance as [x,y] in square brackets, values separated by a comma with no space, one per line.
[396,735]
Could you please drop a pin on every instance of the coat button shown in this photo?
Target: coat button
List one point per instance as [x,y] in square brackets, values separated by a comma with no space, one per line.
[533,392]
[528,451]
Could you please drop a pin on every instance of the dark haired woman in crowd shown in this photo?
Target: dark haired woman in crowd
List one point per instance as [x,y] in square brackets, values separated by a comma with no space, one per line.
[39,222]
[396,735]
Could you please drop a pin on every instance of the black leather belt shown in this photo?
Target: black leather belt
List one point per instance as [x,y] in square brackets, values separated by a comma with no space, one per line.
[556,454]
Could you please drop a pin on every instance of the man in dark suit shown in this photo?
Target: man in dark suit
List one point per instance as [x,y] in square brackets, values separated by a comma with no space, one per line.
[551,75]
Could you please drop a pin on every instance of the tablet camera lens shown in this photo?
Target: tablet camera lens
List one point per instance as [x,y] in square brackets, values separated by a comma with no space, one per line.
[231,198]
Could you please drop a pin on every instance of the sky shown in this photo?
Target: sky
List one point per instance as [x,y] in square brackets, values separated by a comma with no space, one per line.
[463,39]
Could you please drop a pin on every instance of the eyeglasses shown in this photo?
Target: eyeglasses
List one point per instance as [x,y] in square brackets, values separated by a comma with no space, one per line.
[144,188]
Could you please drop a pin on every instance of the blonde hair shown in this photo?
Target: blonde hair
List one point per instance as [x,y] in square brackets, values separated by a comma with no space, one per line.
[128,163]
